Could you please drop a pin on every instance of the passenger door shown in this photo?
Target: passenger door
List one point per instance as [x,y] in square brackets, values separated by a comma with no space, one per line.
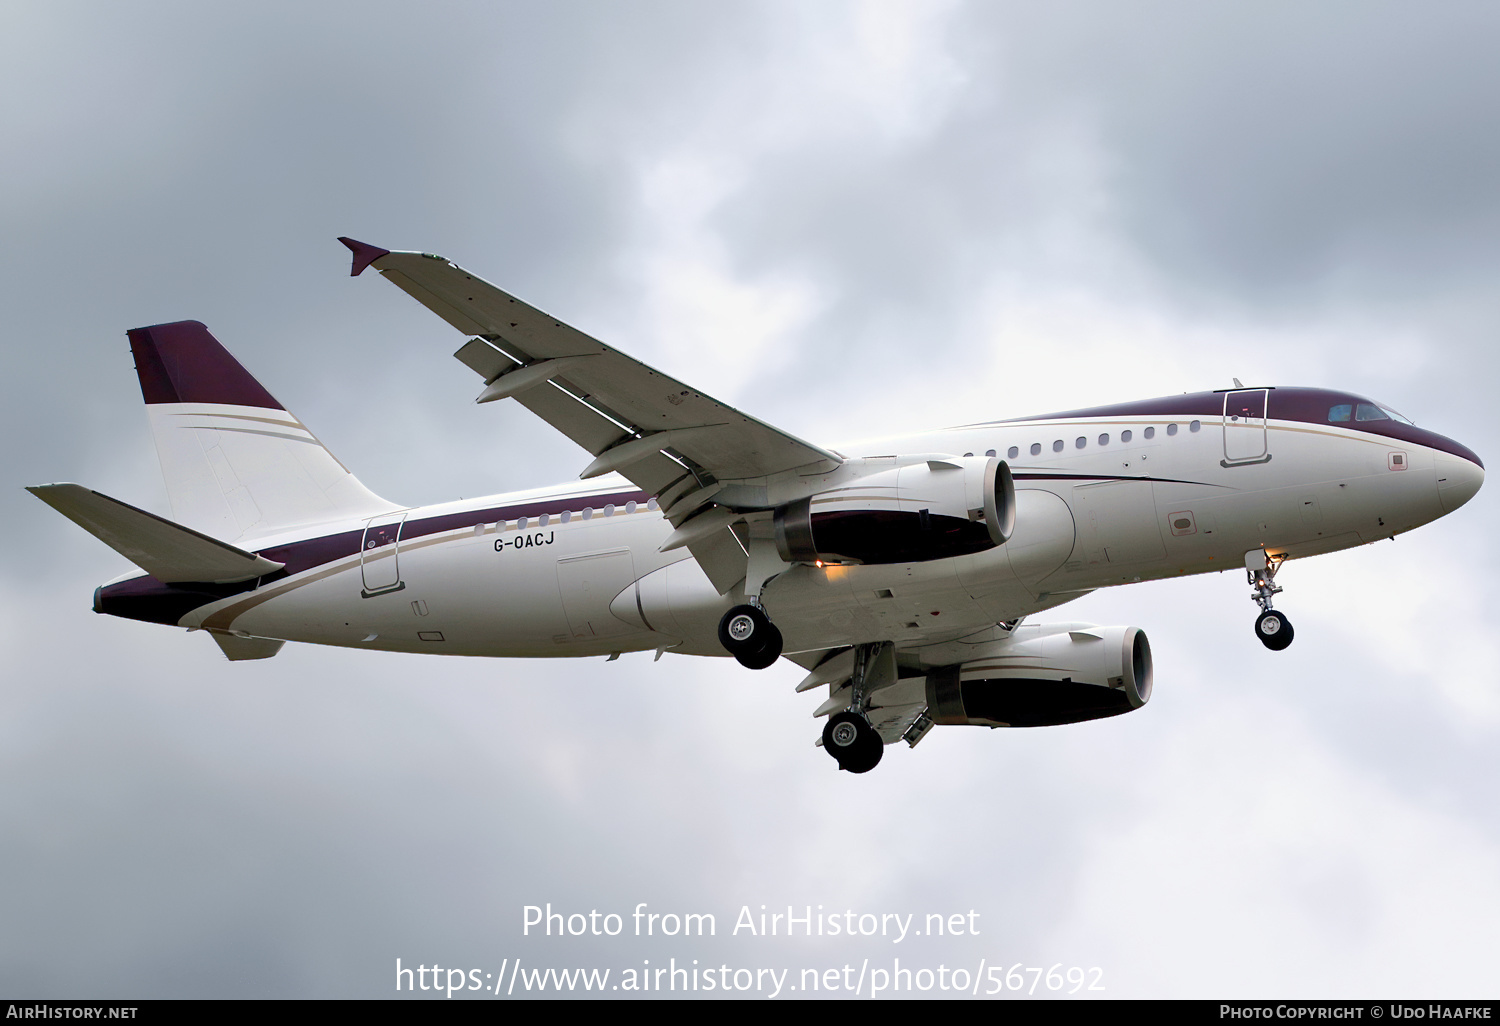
[1245,427]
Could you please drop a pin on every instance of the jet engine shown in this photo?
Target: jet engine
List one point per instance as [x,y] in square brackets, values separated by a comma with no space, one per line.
[1046,675]
[935,509]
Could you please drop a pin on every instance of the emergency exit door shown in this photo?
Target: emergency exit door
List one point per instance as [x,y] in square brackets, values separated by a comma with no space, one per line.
[379,549]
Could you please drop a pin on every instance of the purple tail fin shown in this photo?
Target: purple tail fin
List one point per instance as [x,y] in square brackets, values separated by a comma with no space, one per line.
[182,363]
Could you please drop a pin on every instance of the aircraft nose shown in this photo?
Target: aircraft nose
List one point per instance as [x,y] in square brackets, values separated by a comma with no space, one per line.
[1457,481]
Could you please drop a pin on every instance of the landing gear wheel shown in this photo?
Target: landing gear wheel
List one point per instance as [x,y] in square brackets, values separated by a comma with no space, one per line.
[1274,630]
[768,652]
[849,738]
[743,630]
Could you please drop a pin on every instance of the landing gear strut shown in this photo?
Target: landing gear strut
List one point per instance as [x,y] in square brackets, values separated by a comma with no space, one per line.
[1272,627]
[849,736]
[748,634]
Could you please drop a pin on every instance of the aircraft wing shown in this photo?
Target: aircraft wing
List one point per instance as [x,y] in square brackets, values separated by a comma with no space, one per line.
[666,437]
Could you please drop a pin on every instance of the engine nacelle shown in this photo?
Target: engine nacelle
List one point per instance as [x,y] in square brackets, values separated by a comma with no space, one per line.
[936,509]
[1046,675]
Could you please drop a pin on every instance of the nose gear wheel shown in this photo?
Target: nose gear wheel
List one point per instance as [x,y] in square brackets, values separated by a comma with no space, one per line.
[1274,630]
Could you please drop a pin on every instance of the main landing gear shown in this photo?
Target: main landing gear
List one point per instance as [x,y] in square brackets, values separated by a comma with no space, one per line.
[748,634]
[849,736]
[1272,627]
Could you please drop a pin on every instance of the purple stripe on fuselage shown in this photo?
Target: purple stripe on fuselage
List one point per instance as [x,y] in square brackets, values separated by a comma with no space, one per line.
[314,552]
[1026,475]
[1196,404]
[183,363]
[1307,405]
[149,600]
[146,598]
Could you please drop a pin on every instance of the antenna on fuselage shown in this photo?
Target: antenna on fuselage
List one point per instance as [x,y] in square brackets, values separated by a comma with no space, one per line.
[1237,383]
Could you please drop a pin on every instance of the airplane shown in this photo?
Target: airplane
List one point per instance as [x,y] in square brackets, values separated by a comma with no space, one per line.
[901,575]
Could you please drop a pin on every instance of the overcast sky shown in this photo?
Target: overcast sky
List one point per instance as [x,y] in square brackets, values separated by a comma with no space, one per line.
[847,219]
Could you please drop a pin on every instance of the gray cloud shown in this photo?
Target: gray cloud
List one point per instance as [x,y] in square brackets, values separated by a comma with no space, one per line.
[1132,195]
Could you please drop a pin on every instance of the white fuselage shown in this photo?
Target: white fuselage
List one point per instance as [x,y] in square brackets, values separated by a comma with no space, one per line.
[576,570]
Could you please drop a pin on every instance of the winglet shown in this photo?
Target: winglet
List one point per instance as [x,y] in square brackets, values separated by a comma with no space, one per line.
[364,254]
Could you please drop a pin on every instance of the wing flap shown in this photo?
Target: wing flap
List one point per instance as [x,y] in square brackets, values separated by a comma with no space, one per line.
[167,551]
[483,359]
[559,406]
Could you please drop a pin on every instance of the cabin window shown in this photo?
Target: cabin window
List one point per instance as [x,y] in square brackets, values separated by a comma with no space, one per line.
[989,452]
[1171,429]
[1195,425]
[1104,439]
[1057,446]
[1081,442]
[1126,435]
[1036,448]
[521,524]
[967,455]
[567,515]
[1012,453]
[652,504]
[1150,432]
[630,506]
[588,512]
[1341,413]
[545,520]
[609,509]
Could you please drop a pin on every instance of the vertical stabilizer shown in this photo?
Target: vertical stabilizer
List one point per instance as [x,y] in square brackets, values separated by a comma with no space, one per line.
[236,463]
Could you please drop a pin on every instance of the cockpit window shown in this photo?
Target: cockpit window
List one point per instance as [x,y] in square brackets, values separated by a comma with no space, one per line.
[1343,413]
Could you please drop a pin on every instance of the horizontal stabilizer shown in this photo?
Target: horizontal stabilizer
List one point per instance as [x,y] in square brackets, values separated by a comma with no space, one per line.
[169,552]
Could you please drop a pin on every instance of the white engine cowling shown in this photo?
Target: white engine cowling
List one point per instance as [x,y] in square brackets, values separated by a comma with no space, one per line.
[935,509]
[1046,675]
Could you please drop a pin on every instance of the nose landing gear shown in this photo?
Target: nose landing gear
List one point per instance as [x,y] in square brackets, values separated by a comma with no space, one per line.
[1272,627]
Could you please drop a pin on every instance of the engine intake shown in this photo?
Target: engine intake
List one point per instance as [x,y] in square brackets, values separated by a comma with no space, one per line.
[1035,679]
[913,514]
